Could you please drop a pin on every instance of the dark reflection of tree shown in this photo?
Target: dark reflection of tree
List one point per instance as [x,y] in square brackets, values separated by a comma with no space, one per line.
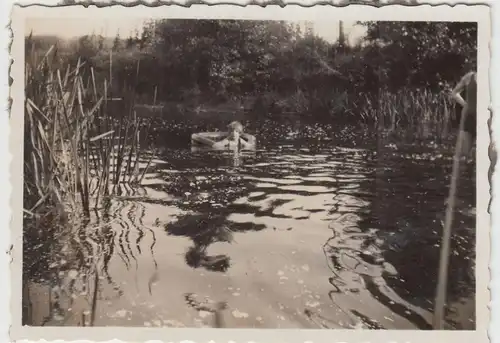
[406,194]
[336,248]
[205,229]
[408,209]
[390,187]
[207,189]
[207,194]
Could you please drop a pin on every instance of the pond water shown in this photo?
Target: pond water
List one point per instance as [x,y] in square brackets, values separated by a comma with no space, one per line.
[288,238]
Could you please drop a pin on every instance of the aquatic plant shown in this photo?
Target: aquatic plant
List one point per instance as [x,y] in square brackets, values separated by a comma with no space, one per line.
[81,145]
[420,111]
[78,145]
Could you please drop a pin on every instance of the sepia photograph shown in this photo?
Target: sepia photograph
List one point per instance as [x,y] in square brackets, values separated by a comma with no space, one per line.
[253,173]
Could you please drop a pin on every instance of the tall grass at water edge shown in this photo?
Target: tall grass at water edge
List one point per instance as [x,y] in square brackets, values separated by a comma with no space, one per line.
[76,149]
[410,115]
[422,112]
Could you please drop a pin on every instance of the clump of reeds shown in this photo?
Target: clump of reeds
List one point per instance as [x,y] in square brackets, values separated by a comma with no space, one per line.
[421,111]
[77,147]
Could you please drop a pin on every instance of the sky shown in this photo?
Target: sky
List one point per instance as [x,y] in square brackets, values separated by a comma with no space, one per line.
[74,27]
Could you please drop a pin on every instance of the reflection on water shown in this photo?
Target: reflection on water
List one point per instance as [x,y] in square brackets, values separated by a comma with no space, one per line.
[338,238]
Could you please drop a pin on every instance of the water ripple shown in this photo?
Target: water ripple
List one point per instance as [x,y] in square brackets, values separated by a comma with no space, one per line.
[286,238]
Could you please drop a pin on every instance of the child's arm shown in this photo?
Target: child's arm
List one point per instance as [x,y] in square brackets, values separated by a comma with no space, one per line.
[220,144]
[249,139]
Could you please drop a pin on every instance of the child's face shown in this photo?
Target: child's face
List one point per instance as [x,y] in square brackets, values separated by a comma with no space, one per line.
[234,135]
[236,127]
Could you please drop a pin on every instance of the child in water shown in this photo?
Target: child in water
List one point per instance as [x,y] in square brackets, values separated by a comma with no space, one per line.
[235,136]
[235,130]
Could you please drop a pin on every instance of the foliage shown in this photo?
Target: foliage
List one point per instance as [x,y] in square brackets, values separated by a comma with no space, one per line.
[422,54]
[271,68]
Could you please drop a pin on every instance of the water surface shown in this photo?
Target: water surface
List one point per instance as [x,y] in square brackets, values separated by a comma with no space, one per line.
[290,238]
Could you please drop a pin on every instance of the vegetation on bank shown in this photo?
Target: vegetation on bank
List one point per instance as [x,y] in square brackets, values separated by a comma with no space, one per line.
[397,76]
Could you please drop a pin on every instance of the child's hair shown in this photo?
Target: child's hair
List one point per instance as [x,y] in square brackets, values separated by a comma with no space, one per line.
[236,126]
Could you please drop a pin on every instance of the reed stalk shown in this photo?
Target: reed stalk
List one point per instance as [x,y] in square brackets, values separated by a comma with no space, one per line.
[76,145]
[422,112]
[444,258]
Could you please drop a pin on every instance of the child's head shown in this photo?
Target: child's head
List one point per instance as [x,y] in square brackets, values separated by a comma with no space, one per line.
[235,129]
[235,126]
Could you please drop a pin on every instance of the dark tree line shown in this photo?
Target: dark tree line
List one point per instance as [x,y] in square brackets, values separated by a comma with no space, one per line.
[278,65]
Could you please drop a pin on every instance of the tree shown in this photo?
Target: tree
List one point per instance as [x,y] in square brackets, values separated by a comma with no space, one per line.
[129,42]
[422,54]
[117,43]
